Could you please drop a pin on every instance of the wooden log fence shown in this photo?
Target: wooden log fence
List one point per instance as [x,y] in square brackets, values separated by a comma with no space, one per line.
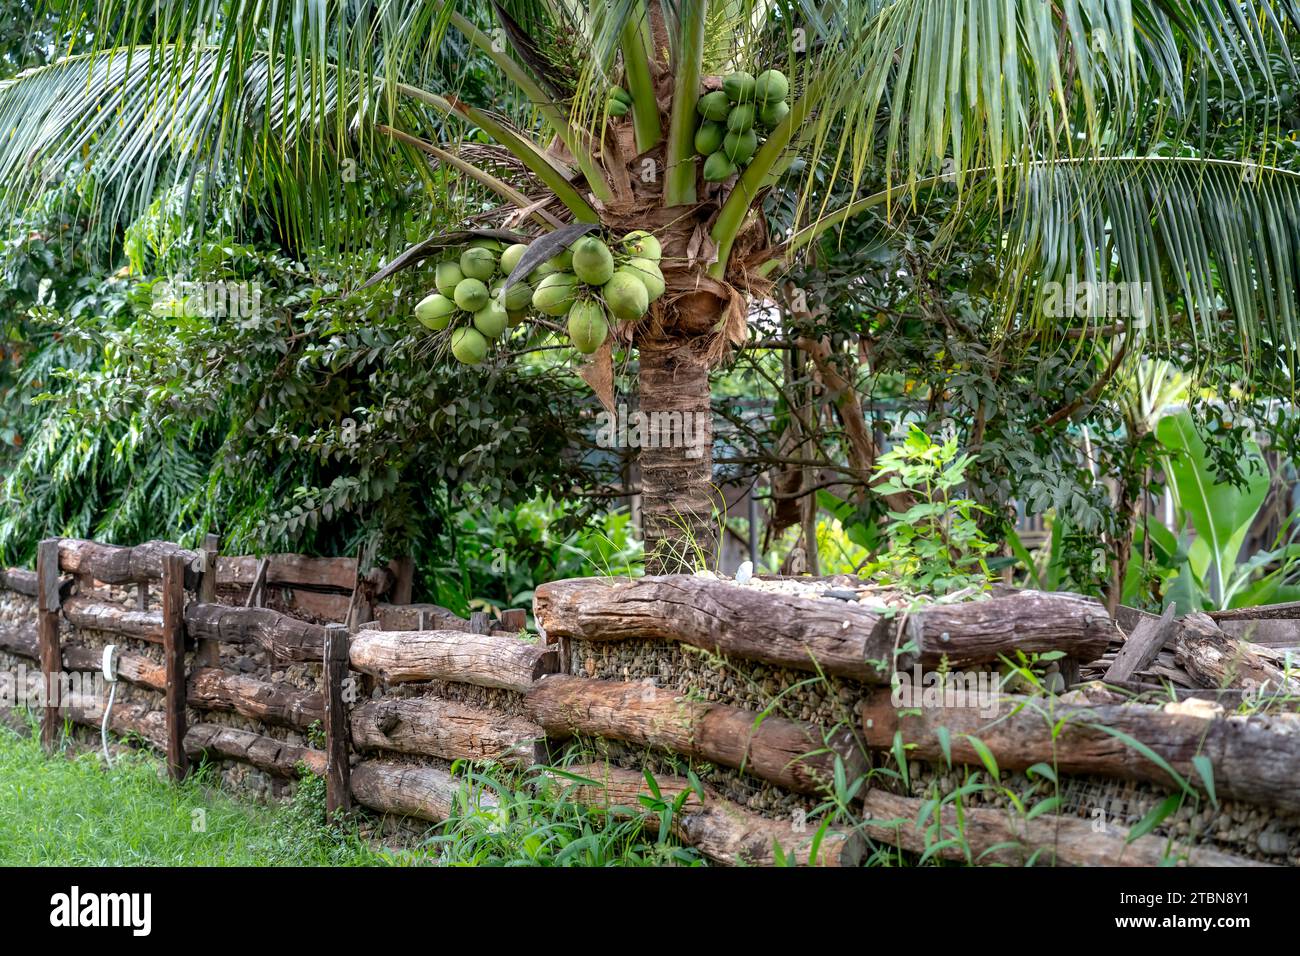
[368,747]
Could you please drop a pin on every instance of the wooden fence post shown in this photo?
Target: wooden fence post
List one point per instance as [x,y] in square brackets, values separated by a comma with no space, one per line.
[173,609]
[338,793]
[209,651]
[47,636]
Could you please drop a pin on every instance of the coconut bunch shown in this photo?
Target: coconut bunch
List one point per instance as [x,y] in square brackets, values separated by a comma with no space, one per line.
[589,283]
[472,299]
[732,119]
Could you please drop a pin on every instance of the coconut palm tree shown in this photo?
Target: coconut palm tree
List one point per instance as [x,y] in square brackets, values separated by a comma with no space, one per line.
[1045,115]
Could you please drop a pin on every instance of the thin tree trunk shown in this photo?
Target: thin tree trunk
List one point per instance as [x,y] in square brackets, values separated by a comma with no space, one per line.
[676,458]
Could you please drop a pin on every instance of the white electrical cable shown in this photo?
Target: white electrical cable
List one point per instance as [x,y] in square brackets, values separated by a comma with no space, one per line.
[109,668]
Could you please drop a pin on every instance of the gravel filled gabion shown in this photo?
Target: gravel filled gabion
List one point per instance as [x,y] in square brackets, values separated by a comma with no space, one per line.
[508,702]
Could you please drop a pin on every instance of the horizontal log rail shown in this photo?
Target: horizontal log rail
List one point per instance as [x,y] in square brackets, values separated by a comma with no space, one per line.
[18,579]
[210,688]
[790,753]
[442,728]
[721,830]
[86,612]
[131,667]
[285,637]
[810,633]
[410,790]
[719,616]
[115,564]
[994,836]
[265,753]
[487,660]
[1252,758]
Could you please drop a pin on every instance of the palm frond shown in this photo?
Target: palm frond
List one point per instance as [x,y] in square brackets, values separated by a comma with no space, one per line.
[1213,246]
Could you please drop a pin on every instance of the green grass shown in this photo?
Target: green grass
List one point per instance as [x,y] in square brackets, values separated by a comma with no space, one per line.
[69,810]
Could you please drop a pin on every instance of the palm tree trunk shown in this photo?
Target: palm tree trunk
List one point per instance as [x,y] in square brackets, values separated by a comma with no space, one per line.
[677,494]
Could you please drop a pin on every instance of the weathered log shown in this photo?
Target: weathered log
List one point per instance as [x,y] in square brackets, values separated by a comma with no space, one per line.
[994,836]
[1142,646]
[134,668]
[1290,611]
[211,688]
[113,564]
[21,643]
[1252,758]
[409,790]
[787,630]
[1270,632]
[265,753]
[721,830]
[18,579]
[85,612]
[790,753]
[441,728]
[283,636]
[299,571]
[487,660]
[127,719]
[844,638]
[982,631]
[1214,659]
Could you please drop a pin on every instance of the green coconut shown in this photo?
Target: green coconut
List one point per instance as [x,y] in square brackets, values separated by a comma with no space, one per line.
[517,317]
[772,113]
[739,87]
[468,345]
[592,261]
[621,94]
[492,319]
[626,295]
[713,106]
[478,263]
[717,167]
[555,293]
[540,273]
[771,87]
[616,107]
[739,147]
[518,297]
[562,261]
[511,256]
[447,276]
[483,242]
[649,274]
[643,245]
[739,120]
[471,294]
[435,311]
[708,138]
[587,326]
